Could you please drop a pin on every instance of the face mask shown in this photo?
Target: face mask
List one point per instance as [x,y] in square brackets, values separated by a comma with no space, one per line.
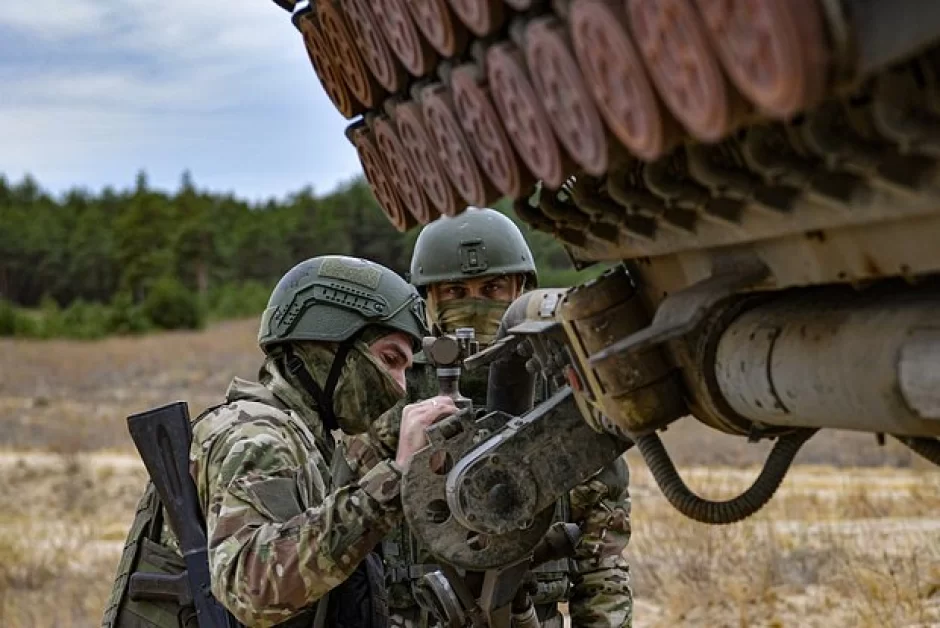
[484,315]
[365,390]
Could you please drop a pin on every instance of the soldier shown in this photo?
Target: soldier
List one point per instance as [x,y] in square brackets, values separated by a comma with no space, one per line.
[472,267]
[289,543]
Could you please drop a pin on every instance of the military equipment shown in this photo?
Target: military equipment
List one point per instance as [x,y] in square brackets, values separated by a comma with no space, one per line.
[771,211]
[477,243]
[162,437]
[458,596]
[456,610]
[447,353]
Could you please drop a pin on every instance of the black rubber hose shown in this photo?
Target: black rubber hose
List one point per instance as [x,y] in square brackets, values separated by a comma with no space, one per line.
[510,386]
[926,448]
[724,512]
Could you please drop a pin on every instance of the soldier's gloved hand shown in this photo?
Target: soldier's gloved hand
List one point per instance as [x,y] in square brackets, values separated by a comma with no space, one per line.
[415,418]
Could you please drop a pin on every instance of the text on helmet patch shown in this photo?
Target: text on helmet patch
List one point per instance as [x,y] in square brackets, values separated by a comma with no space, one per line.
[360,273]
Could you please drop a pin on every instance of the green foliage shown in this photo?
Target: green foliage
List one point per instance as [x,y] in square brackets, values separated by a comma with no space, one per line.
[239,300]
[48,321]
[8,316]
[170,305]
[83,320]
[29,325]
[123,262]
[126,317]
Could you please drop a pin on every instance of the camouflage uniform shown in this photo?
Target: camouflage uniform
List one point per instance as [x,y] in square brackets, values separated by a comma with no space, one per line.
[596,583]
[282,531]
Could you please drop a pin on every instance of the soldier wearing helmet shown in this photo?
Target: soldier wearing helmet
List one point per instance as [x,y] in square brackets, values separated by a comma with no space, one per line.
[289,544]
[471,267]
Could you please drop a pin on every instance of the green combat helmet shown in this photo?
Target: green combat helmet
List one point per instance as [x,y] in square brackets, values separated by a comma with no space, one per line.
[334,298]
[477,243]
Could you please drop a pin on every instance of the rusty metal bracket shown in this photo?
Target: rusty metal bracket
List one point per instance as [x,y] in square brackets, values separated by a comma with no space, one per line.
[494,352]
[682,311]
[511,342]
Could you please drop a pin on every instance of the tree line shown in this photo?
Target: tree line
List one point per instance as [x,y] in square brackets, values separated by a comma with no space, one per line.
[89,264]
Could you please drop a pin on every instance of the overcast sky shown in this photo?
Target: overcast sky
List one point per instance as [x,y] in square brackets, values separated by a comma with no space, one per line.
[93,90]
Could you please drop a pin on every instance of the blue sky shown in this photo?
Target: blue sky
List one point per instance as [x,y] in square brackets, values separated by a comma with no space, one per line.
[93,90]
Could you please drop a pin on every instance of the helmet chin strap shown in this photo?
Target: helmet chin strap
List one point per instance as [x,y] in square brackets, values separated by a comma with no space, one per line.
[323,396]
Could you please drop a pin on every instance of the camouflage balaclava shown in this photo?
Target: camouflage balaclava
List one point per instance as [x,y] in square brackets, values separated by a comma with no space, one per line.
[364,391]
[483,315]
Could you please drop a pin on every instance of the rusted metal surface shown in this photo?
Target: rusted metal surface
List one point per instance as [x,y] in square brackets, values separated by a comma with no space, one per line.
[618,80]
[672,39]
[421,152]
[401,169]
[453,147]
[377,173]
[345,54]
[367,33]
[523,114]
[628,394]
[835,359]
[775,52]
[482,17]
[557,79]
[325,66]
[489,140]
[551,90]
[439,26]
[403,36]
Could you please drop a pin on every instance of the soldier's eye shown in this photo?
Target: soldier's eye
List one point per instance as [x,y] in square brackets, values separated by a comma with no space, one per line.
[499,287]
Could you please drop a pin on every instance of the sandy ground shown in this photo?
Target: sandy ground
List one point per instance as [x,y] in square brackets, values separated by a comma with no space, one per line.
[851,539]
[836,547]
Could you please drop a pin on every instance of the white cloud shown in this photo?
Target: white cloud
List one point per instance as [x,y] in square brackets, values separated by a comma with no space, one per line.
[110,89]
[226,89]
[67,19]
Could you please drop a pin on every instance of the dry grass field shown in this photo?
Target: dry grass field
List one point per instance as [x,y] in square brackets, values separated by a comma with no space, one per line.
[851,539]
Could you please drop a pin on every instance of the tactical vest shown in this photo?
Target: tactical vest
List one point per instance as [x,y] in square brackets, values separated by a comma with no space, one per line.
[360,602]
[406,561]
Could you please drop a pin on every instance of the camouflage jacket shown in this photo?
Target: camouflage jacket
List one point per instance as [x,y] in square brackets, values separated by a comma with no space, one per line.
[601,594]
[280,534]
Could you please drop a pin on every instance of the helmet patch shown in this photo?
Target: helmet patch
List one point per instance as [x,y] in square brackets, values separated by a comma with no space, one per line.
[473,256]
